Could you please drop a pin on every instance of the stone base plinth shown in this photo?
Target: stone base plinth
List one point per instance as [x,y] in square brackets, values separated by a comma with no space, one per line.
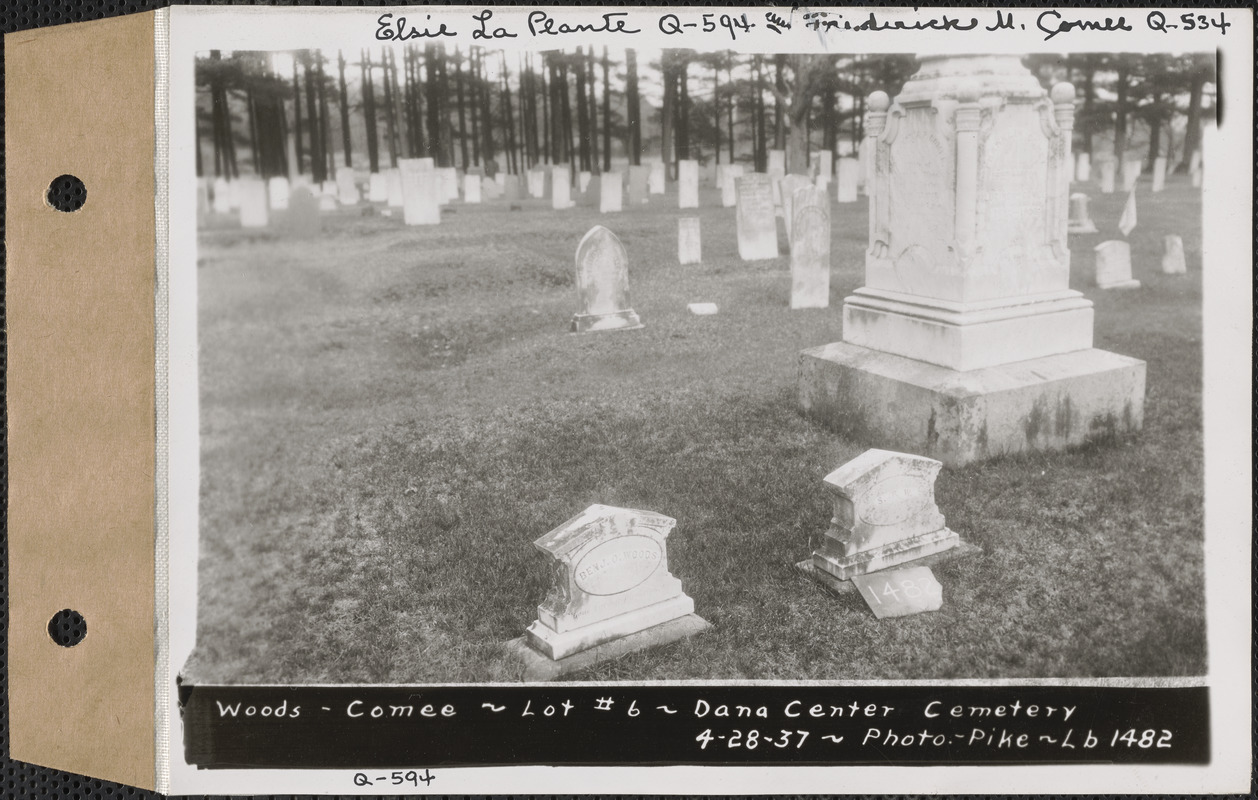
[897,403]
[1086,226]
[626,320]
[539,667]
[558,645]
[960,550]
[968,337]
[888,555]
[1131,284]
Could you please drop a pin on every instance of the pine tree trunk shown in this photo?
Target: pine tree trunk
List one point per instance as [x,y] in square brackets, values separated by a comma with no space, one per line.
[345,133]
[635,111]
[583,113]
[297,141]
[327,163]
[607,112]
[369,112]
[434,102]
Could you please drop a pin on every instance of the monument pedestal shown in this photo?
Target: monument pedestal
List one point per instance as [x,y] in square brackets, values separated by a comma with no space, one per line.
[538,667]
[1046,403]
[626,320]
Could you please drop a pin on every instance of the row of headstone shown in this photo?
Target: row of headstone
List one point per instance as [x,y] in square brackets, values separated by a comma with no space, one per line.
[1131,171]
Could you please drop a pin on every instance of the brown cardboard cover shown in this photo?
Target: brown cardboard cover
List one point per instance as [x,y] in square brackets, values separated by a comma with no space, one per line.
[79,100]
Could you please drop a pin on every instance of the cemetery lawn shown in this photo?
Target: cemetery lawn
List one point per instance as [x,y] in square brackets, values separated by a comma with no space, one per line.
[390,416]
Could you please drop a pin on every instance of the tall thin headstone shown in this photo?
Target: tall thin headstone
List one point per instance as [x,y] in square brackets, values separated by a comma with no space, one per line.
[1079,221]
[346,188]
[755,218]
[729,194]
[1131,173]
[611,193]
[471,188]
[603,284]
[849,171]
[1159,174]
[655,178]
[1083,167]
[277,193]
[561,188]
[421,191]
[253,203]
[788,186]
[393,185]
[687,183]
[378,187]
[689,245]
[638,179]
[222,196]
[810,248]
[1108,167]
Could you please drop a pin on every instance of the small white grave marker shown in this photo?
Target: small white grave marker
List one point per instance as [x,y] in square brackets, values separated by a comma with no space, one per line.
[900,592]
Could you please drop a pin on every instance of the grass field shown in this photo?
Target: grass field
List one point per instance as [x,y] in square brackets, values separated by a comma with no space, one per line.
[390,416]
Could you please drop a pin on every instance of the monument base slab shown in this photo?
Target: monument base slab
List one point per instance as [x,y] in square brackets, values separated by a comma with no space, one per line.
[1131,284]
[961,549]
[897,403]
[557,645]
[892,554]
[539,667]
[626,320]
[1081,227]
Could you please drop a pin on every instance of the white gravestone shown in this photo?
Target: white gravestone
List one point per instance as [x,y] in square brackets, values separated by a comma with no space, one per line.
[1159,173]
[689,245]
[1108,167]
[849,171]
[449,177]
[825,164]
[611,193]
[583,180]
[884,515]
[729,195]
[393,188]
[1131,173]
[655,178]
[966,321]
[536,183]
[755,218]
[1173,259]
[777,163]
[603,284]
[222,196]
[471,188]
[378,187]
[1083,167]
[421,191]
[866,158]
[561,188]
[639,178]
[810,249]
[788,186]
[688,183]
[611,586]
[346,188]
[277,193]
[510,187]
[1079,221]
[1113,266]
[253,204]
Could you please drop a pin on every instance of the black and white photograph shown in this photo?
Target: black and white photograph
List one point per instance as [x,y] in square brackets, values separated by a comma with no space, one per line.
[599,361]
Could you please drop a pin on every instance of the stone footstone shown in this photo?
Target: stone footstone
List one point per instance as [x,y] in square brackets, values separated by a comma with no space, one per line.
[1079,221]
[961,549]
[538,667]
[1047,403]
[1113,266]
[1173,259]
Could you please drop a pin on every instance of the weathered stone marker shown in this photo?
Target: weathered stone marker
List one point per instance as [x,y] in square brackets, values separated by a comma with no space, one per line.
[1079,221]
[301,218]
[393,181]
[277,193]
[966,340]
[1083,167]
[729,193]
[536,183]
[510,187]
[655,178]
[346,188]
[471,188]
[756,220]
[560,188]
[788,187]
[1131,173]
[611,193]
[222,196]
[810,249]
[1173,260]
[1113,266]
[583,180]
[253,203]
[378,187]
[612,594]
[884,515]
[1159,174]
[687,183]
[1108,168]
[603,284]
[638,176]
[421,191]
[689,245]
[849,171]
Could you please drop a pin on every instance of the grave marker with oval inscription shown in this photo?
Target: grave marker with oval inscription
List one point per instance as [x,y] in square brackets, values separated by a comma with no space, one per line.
[611,582]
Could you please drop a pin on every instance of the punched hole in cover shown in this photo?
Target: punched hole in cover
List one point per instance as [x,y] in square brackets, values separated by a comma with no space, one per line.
[66,193]
[67,627]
